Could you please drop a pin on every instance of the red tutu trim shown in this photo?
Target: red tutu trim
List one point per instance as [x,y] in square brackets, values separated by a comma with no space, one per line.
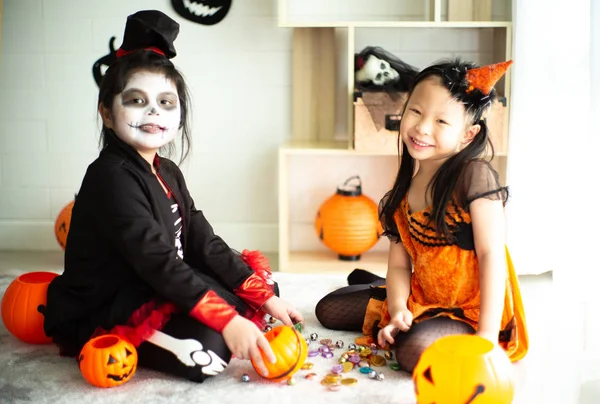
[260,264]
[143,322]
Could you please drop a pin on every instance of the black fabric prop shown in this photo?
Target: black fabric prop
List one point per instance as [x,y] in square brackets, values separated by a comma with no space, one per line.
[106,60]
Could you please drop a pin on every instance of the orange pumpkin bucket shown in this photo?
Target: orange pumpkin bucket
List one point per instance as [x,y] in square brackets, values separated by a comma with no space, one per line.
[108,361]
[465,369]
[348,222]
[62,224]
[290,349]
[20,304]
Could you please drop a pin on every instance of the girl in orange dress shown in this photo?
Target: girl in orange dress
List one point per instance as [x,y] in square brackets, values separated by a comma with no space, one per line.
[449,271]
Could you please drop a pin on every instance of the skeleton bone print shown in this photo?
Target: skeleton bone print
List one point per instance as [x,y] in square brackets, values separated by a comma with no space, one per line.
[178,227]
[190,352]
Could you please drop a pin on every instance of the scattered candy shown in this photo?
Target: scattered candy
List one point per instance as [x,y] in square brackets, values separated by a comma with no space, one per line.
[268,328]
[245,378]
[314,336]
[327,354]
[337,369]
[366,370]
[273,320]
[339,344]
[377,360]
[334,387]
[349,381]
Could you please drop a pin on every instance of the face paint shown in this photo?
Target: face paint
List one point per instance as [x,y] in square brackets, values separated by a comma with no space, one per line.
[146,115]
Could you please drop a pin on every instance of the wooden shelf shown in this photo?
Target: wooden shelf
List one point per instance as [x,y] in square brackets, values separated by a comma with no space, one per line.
[397,24]
[327,262]
[339,148]
[321,154]
[328,148]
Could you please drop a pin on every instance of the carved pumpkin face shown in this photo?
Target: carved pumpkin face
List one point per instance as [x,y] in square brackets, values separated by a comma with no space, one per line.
[62,223]
[463,369]
[108,361]
[290,349]
[22,306]
[205,12]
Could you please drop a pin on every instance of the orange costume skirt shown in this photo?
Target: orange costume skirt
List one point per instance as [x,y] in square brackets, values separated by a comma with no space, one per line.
[445,281]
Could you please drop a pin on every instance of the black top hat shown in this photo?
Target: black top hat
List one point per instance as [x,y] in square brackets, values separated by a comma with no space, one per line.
[151,30]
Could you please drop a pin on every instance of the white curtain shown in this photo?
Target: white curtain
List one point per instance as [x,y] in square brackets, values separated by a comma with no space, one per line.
[552,167]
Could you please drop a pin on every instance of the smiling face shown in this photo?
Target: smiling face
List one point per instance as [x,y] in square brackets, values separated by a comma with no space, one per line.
[434,125]
[146,114]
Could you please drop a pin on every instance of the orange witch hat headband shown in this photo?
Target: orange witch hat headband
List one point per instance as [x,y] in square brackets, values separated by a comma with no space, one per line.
[484,78]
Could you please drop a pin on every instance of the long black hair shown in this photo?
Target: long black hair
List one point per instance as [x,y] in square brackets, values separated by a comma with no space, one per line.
[116,78]
[444,182]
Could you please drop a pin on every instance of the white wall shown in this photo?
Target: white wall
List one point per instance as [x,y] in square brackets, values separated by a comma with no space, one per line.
[239,75]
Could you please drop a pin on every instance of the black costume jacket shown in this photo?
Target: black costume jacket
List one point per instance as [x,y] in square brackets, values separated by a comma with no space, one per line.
[121,252]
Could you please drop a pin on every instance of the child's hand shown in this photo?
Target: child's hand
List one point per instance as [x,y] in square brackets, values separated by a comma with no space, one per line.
[283,311]
[245,341]
[400,322]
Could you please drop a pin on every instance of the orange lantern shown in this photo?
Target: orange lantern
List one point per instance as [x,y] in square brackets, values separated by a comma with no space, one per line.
[348,222]
[463,369]
[290,350]
[108,361]
[21,303]
[62,224]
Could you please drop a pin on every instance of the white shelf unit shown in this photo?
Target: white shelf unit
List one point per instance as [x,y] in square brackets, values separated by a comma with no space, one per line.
[320,155]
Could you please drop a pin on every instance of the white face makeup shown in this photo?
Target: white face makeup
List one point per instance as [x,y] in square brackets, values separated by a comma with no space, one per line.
[146,115]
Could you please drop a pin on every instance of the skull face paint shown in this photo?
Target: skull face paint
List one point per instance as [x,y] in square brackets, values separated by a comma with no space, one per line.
[377,71]
[147,114]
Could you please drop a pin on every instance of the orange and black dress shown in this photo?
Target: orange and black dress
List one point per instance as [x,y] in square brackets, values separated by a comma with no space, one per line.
[445,278]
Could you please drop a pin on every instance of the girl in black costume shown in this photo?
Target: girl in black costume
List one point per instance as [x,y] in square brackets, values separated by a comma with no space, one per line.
[141,260]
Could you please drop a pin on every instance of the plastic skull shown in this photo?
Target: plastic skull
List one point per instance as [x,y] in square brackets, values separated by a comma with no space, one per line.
[377,71]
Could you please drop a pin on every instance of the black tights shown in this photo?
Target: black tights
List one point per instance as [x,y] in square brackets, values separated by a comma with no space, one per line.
[181,326]
[345,308]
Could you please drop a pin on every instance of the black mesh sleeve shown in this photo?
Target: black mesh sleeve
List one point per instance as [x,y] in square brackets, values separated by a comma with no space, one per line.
[480,180]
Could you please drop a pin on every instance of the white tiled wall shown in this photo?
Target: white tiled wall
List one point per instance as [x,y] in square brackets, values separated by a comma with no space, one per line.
[239,73]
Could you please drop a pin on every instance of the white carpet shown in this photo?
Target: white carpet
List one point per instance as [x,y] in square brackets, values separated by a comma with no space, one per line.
[36,374]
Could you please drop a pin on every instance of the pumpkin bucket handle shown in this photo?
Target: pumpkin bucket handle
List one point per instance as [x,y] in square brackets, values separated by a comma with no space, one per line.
[351,190]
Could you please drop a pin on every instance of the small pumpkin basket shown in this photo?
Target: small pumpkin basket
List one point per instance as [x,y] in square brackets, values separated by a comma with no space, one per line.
[62,224]
[465,369]
[22,306]
[290,349]
[108,361]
